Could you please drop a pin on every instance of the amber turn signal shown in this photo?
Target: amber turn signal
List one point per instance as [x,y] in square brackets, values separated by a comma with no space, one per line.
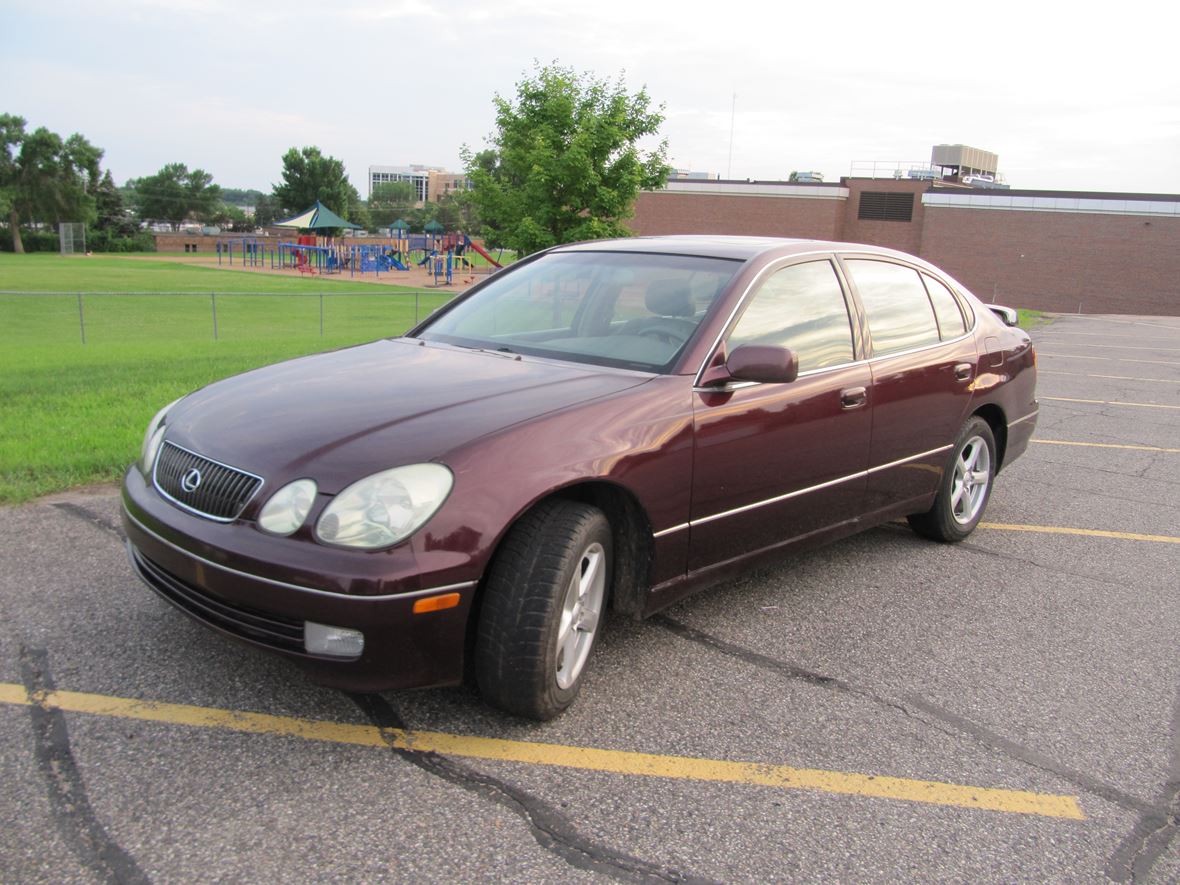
[436,603]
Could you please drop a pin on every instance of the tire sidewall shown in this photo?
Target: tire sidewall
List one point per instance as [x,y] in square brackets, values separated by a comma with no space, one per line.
[952,528]
[597,530]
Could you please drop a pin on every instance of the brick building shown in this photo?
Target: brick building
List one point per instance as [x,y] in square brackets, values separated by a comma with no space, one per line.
[1047,250]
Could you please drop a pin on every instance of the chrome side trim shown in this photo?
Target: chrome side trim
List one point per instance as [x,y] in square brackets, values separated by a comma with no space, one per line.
[1031,414]
[284,585]
[671,531]
[823,485]
[920,455]
[728,387]
[895,353]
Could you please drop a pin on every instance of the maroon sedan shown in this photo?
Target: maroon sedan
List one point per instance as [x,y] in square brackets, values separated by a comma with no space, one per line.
[615,423]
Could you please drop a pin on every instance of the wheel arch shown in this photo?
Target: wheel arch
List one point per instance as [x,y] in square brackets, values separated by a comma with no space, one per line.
[994,416]
[631,536]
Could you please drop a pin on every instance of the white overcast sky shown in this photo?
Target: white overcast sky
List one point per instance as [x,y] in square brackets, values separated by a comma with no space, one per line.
[1071,97]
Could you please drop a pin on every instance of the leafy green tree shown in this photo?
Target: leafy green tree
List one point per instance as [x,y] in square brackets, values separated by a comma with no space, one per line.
[175,194]
[43,178]
[358,212]
[265,211]
[240,197]
[309,176]
[448,214]
[390,201]
[565,162]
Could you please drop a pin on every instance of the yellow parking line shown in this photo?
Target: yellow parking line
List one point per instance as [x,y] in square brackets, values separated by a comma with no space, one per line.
[1107,359]
[1062,442]
[561,756]
[1088,533]
[1104,402]
[1111,377]
[1116,346]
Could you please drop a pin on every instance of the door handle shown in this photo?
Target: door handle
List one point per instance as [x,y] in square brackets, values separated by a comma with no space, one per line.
[853,397]
[963,372]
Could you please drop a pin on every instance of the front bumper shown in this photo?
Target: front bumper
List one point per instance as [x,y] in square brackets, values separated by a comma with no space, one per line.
[243,588]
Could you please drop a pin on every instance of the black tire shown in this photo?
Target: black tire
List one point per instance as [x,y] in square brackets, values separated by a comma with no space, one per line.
[965,489]
[530,656]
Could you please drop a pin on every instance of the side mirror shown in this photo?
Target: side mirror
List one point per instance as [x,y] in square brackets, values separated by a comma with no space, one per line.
[763,363]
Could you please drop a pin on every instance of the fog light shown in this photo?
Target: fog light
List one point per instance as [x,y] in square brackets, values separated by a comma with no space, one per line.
[339,642]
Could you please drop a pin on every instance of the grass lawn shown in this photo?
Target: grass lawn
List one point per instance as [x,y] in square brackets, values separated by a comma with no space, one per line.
[1030,319]
[46,272]
[74,413]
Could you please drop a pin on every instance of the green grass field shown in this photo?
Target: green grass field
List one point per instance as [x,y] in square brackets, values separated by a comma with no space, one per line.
[73,413]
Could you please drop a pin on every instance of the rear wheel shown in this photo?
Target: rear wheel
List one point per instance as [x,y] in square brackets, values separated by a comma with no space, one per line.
[543,606]
[965,488]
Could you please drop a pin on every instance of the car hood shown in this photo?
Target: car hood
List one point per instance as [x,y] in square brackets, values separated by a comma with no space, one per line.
[339,416]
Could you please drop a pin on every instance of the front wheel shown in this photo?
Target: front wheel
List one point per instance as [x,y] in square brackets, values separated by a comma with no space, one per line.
[965,487]
[543,606]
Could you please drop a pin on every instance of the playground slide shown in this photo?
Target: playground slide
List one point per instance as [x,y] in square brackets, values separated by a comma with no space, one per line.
[482,251]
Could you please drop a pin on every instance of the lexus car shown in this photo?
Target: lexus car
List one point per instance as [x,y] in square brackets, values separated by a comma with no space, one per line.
[601,427]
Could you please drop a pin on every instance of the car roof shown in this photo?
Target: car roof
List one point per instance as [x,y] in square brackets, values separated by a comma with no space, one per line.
[733,247]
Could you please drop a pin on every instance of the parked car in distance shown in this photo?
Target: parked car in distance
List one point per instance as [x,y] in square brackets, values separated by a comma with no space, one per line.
[605,425]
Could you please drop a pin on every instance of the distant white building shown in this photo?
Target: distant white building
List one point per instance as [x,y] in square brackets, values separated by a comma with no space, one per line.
[430,182]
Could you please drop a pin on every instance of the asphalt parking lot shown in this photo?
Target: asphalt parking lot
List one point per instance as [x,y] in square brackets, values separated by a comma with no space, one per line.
[886,709]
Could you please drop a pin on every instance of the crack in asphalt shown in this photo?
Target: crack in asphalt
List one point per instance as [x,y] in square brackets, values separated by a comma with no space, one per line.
[1021,560]
[551,829]
[1154,831]
[91,517]
[69,804]
[959,726]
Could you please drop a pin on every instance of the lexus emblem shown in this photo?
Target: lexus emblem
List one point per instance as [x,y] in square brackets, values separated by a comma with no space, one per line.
[191,481]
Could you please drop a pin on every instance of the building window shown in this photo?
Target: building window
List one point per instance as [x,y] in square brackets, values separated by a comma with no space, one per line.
[880,206]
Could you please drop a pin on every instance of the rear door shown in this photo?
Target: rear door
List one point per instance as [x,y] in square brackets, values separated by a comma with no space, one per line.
[923,363]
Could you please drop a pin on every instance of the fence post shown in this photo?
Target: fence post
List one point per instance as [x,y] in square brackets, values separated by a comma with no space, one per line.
[321,314]
[81,318]
[213,300]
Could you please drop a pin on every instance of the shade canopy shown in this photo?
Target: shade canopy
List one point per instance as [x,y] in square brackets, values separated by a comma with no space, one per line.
[433,227]
[317,217]
[400,224]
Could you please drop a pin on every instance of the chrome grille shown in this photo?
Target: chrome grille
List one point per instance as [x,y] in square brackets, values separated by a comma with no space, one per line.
[202,485]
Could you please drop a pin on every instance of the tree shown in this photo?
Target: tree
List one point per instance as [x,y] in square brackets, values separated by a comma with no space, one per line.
[175,194]
[309,176]
[44,179]
[565,162]
[111,210]
[265,211]
[390,201]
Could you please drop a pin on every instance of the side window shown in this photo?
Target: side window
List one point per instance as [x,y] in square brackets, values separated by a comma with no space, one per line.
[946,308]
[801,307]
[896,304]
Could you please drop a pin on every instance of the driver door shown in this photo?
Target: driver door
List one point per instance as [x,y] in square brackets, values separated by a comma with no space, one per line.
[777,462]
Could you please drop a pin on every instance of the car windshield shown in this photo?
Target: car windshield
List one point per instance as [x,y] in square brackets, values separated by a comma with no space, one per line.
[622,309]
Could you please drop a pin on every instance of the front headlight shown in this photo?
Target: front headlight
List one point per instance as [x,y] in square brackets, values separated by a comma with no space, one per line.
[387,507]
[288,507]
[152,437]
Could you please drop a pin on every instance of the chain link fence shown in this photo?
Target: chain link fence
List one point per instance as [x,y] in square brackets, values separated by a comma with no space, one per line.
[54,318]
